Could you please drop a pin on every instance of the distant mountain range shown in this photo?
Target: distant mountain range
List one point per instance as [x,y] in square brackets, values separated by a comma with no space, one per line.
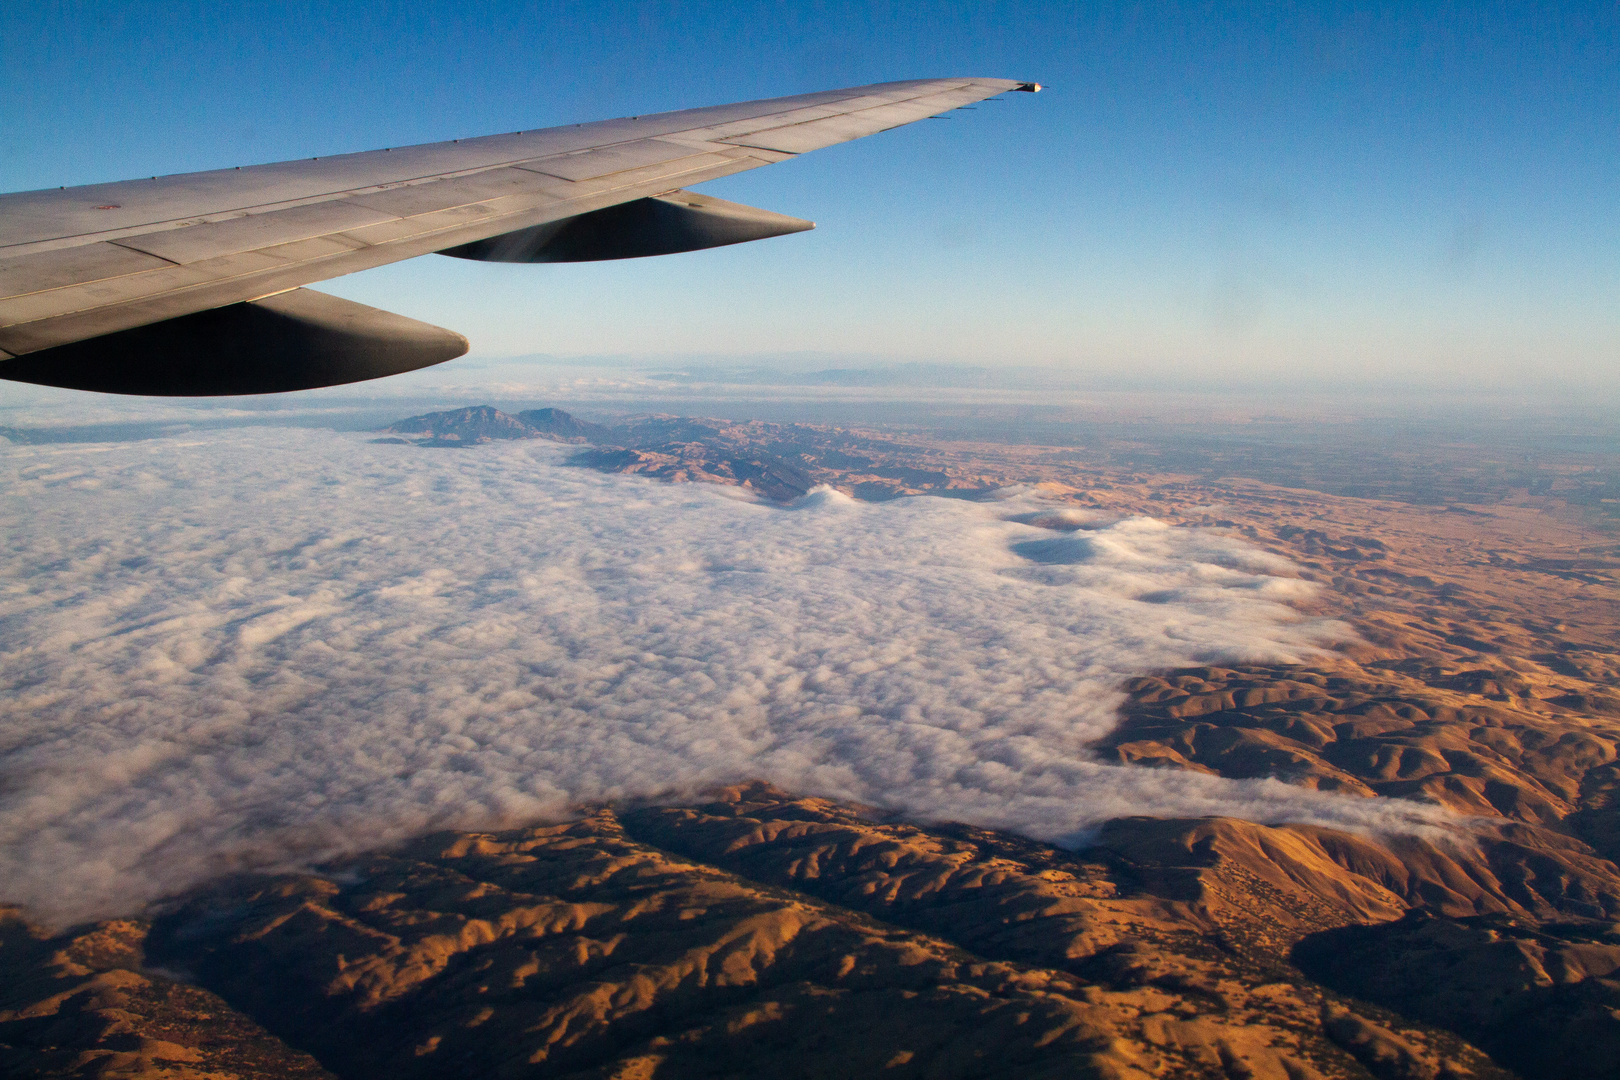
[777,461]
[485,423]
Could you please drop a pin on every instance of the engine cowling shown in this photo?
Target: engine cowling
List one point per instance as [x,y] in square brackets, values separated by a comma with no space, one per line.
[661,225]
[294,340]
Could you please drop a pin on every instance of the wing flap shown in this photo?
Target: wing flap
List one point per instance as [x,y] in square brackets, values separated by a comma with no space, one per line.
[802,138]
[713,165]
[254,232]
[734,128]
[414,200]
[589,164]
[42,270]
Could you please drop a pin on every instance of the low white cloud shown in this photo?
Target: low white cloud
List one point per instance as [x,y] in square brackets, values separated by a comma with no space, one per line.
[254,648]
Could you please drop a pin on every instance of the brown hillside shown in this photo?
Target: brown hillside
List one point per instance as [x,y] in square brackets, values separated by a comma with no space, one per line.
[762,934]
[804,940]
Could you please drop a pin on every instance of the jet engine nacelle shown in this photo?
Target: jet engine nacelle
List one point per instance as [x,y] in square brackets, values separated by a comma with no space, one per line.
[297,340]
[294,340]
[661,225]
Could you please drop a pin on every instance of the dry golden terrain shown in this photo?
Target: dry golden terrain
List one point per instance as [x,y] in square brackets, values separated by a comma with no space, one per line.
[762,934]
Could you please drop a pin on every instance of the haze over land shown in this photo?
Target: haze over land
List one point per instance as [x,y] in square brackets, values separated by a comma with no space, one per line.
[248,648]
[234,644]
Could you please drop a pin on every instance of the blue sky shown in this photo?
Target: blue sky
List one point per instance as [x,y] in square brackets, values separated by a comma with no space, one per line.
[1413,194]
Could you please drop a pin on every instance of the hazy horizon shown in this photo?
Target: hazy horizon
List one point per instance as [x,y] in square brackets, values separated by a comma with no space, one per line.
[835,388]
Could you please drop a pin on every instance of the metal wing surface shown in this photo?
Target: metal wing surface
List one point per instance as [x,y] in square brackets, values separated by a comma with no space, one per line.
[189,284]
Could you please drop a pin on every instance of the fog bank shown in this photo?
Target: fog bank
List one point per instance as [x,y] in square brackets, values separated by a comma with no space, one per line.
[256,648]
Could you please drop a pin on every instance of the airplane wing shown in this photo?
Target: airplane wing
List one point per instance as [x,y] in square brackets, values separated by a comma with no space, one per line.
[190,284]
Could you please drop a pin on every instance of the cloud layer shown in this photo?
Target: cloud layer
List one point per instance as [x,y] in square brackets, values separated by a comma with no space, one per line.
[262,647]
